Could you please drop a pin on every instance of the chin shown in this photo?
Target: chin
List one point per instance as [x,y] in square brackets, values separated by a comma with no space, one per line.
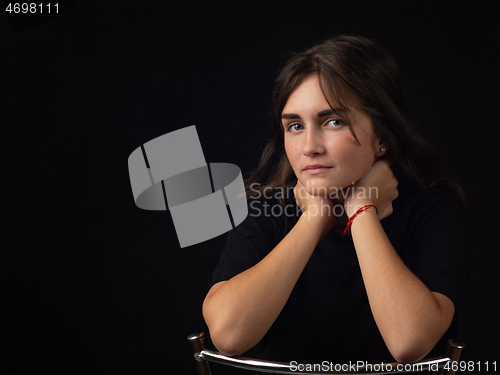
[322,189]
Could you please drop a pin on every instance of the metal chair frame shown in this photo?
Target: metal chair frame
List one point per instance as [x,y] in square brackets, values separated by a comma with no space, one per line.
[204,356]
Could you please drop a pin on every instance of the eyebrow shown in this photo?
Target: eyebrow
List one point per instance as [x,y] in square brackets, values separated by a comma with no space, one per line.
[327,112]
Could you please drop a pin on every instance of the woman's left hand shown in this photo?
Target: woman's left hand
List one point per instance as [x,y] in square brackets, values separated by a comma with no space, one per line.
[377,187]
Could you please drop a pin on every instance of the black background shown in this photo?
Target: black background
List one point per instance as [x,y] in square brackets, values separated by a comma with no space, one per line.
[90,282]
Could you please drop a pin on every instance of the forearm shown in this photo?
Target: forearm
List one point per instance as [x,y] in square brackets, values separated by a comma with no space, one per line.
[242,309]
[409,316]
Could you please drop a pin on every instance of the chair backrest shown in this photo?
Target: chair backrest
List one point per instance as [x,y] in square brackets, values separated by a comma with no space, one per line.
[447,363]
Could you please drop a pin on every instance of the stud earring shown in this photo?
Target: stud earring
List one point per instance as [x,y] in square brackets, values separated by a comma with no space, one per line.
[382,149]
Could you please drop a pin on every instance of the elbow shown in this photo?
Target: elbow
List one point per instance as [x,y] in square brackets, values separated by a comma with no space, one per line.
[226,342]
[409,351]
[416,338]
[407,356]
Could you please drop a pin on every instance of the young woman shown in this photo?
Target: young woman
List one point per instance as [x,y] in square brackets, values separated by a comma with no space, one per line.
[353,246]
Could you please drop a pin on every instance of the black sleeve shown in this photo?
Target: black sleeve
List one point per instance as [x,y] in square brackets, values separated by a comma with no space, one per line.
[441,241]
[249,242]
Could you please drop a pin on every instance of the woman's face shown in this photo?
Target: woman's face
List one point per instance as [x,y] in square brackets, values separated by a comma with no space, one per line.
[316,135]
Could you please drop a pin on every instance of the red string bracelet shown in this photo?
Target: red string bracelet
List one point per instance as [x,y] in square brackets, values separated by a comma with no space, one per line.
[364,208]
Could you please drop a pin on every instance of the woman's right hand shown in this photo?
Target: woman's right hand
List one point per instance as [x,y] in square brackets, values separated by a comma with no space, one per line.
[319,209]
[237,322]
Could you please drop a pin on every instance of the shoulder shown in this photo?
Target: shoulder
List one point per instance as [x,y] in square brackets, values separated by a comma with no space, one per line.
[273,204]
[427,218]
[271,214]
[435,201]
[265,226]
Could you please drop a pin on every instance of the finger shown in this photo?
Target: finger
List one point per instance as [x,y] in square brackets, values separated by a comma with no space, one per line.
[387,211]
[383,162]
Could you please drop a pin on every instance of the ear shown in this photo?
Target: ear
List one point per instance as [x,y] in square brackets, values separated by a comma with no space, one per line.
[381,148]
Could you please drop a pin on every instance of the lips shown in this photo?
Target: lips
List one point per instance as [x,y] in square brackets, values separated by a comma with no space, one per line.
[316,168]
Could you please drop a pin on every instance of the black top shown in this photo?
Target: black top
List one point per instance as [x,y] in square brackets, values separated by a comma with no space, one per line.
[327,316]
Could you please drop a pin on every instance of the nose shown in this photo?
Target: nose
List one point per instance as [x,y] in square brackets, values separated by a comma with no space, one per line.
[313,143]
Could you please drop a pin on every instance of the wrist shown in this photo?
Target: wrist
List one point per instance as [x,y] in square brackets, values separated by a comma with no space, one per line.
[321,221]
[369,210]
[351,207]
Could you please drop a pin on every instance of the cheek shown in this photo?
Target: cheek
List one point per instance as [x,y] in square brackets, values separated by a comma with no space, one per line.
[291,151]
[344,151]
[353,159]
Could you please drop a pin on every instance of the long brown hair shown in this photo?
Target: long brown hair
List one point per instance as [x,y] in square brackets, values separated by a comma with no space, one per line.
[357,70]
